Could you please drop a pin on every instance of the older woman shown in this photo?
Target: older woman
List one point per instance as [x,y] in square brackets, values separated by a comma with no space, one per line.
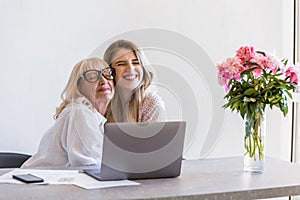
[132,102]
[76,137]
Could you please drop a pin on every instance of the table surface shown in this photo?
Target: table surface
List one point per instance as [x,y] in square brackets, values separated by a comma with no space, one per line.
[219,178]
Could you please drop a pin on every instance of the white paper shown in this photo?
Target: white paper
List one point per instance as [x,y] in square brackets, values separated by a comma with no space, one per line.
[88,182]
[64,177]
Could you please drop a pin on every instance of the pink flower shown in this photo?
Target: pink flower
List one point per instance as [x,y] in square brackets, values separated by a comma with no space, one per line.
[230,68]
[245,53]
[294,77]
[293,73]
[257,72]
[266,62]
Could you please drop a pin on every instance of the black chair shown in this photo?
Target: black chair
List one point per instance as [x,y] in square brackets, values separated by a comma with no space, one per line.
[12,160]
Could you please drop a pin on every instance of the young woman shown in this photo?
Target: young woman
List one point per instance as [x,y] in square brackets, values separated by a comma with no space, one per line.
[132,102]
[77,136]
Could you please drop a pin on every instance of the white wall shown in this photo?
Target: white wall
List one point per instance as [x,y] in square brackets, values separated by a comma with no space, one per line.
[40,41]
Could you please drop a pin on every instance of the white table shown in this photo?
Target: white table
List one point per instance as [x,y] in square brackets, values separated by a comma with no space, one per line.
[220,178]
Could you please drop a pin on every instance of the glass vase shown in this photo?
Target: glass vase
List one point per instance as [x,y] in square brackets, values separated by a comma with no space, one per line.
[254,141]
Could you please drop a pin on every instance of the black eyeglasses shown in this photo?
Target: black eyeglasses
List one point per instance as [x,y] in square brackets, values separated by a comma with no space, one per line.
[94,75]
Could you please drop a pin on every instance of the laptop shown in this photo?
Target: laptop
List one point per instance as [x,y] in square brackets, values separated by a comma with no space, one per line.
[141,151]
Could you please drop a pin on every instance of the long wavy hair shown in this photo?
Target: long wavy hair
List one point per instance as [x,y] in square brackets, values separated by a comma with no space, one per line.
[72,89]
[115,109]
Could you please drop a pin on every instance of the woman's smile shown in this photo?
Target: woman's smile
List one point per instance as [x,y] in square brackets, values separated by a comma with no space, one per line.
[130,76]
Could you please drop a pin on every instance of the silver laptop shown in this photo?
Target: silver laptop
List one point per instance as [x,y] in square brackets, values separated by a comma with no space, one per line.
[141,151]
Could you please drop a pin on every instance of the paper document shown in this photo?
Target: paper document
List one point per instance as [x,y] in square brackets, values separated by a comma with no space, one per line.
[64,177]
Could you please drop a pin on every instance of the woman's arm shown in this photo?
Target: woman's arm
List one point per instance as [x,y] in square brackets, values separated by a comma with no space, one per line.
[85,137]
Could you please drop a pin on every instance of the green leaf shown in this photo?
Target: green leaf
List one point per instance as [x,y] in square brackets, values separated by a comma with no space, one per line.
[250,91]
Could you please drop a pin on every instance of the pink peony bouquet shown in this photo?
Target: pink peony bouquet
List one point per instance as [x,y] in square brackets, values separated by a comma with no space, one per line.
[252,80]
[254,77]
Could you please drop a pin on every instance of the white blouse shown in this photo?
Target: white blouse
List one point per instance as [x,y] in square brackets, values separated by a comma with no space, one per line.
[75,139]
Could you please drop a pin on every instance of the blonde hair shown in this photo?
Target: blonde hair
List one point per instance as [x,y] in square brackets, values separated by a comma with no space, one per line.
[115,109]
[72,90]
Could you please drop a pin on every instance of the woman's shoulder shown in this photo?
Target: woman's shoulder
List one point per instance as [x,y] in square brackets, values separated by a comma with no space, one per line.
[79,106]
[152,98]
[153,108]
[80,112]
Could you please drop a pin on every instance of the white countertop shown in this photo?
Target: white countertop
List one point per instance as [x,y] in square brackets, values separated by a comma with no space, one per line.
[220,178]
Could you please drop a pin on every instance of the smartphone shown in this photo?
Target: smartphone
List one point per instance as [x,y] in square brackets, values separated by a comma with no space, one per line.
[28,178]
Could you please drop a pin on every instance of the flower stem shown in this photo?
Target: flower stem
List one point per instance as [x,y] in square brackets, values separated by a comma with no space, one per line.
[253,141]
